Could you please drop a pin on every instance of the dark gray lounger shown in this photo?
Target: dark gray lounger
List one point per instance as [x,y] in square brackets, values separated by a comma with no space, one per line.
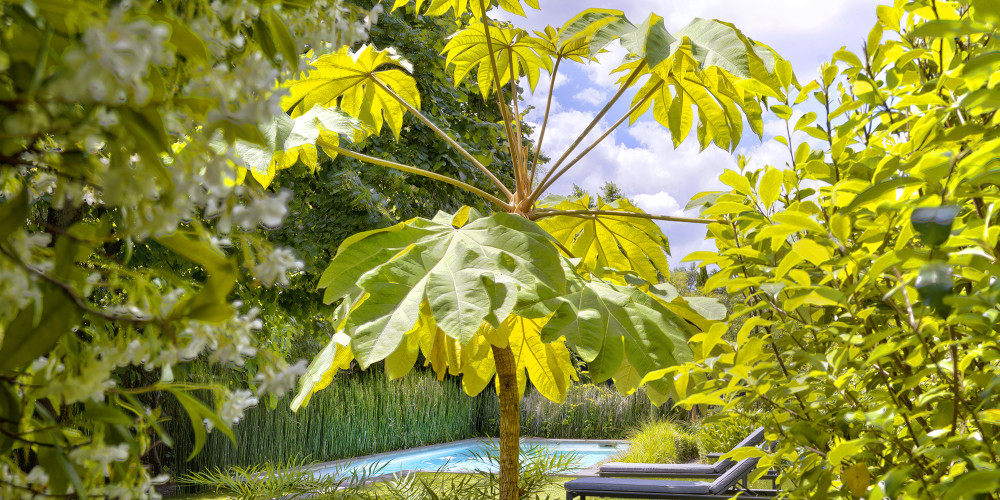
[627,469]
[725,486]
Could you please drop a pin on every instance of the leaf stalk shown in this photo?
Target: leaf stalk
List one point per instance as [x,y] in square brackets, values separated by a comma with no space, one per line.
[419,171]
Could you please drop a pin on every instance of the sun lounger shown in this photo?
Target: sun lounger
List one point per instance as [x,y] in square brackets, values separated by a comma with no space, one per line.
[730,483]
[627,469]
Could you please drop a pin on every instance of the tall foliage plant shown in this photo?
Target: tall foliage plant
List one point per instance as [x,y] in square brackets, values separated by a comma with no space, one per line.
[870,267]
[510,293]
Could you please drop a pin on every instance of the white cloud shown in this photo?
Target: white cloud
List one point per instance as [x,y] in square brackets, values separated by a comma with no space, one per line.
[660,203]
[599,72]
[591,96]
[539,97]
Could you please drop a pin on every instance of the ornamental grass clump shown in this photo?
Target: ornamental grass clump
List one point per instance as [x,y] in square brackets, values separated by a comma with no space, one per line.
[661,442]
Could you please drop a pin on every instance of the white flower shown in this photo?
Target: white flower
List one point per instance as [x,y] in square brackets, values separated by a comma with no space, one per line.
[37,476]
[98,452]
[232,408]
[277,265]
[279,382]
[272,210]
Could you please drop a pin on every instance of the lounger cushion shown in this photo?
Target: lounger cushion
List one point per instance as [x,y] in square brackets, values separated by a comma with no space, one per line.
[628,468]
[596,485]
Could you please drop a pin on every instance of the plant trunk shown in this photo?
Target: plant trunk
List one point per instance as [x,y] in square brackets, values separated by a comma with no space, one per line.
[510,422]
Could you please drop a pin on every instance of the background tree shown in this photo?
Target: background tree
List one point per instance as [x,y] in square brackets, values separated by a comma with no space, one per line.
[869,267]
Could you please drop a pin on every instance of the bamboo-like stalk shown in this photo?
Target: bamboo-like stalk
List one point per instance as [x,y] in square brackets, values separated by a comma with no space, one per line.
[451,142]
[419,171]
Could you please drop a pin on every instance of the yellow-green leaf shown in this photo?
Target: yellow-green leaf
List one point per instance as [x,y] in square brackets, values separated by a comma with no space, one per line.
[770,186]
[358,84]
[609,241]
[547,364]
[514,54]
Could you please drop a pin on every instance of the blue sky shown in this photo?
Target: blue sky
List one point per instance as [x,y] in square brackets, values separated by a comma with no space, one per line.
[641,159]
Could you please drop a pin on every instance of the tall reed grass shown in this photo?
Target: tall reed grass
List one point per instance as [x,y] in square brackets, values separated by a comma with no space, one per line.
[589,412]
[358,414]
[363,413]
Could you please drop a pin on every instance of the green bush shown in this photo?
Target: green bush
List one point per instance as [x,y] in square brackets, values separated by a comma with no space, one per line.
[719,433]
[288,479]
[661,442]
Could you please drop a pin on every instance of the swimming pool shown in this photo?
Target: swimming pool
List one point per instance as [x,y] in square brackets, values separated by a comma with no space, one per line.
[461,456]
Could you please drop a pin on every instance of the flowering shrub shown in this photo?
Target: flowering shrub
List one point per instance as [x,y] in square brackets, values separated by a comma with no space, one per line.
[126,220]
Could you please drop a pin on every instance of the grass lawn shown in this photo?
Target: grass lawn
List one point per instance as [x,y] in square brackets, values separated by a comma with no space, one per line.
[554,492]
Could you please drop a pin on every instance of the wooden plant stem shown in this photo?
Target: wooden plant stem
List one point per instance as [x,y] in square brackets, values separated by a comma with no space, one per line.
[510,425]
[538,214]
[583,135]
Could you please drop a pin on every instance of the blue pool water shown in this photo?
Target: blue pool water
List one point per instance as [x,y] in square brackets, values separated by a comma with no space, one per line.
[461,456]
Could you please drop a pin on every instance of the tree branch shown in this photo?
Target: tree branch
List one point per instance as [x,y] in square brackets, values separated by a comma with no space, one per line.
[419,171]
[538,214]
[451,142]
[71,294]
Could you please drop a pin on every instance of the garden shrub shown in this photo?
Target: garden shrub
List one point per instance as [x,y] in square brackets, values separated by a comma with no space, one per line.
[719,433]
[869,264]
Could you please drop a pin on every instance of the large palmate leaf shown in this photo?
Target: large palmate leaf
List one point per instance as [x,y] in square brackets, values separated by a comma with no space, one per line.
[548,43]
[707,70]
[547,364]
[679,91]
[649,41]
[718,43]
[440,7]
[621,331]
[514,53]
[468,269]
[356,82]
[290,140]
[573,40]
[609,241]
